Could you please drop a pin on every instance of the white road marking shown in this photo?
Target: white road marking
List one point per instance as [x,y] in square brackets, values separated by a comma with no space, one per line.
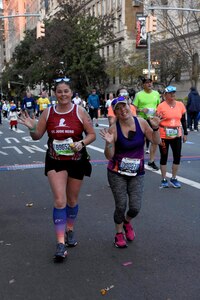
[169,175]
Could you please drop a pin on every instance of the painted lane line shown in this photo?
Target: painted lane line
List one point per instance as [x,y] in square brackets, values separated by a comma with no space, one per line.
[181,179]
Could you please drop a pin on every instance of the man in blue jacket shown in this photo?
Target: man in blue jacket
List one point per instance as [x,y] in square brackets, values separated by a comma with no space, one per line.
[28,104]
[93,104]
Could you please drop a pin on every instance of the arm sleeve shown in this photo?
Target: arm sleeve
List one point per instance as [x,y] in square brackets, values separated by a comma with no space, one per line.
[183,122]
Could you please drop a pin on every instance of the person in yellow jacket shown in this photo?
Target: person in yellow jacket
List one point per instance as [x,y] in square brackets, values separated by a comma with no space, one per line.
[43,102]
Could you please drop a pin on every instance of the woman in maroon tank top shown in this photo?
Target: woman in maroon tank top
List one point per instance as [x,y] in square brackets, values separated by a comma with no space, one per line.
[67,161]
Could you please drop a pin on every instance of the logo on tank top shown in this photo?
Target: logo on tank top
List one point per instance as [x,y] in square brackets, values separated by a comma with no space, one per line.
[62,123]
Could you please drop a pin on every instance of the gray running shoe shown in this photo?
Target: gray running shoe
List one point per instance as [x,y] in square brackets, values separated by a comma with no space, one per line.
[61,252]
[70,241]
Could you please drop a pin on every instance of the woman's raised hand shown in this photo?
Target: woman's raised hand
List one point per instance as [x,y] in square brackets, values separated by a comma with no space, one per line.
[26,120]
[108,137]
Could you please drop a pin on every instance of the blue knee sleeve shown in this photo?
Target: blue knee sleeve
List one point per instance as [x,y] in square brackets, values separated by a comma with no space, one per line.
[59,216]
[72,211]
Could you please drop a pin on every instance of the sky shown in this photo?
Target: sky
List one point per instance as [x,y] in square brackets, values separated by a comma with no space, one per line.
[0,3]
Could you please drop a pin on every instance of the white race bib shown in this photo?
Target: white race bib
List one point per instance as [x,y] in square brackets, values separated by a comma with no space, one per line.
[44,105]
[171,132]
[28,104]
[63,147]
[151,112]
[129,166]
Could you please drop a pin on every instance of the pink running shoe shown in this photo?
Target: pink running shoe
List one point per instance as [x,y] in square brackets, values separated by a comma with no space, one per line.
[120,241]
[129,232]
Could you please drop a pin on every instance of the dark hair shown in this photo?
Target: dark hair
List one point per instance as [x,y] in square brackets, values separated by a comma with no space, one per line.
[144,80]
[193,88]
[131,92]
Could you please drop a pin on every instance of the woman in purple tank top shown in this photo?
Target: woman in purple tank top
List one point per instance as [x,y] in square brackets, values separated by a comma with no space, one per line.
[124,148]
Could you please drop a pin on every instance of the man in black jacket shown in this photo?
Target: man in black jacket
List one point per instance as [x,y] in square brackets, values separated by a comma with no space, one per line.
[193,108]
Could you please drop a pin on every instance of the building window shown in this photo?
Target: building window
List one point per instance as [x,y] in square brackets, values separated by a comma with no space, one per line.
[103,7]
[93,10]
[107,52]
[112,4]
[120,48]
[98,9]
[136,3]
[119,23]
[103,52]
[119,3]
[108,5]
[113,50]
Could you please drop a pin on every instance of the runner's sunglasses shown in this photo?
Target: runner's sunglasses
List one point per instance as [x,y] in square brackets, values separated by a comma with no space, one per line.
[118,100]
[65,79]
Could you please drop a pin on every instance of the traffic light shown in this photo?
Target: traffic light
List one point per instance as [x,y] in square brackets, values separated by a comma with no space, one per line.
[151,24]
[40,30]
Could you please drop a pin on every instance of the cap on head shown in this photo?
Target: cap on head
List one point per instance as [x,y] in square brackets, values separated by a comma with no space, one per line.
[170,89]
[117,101]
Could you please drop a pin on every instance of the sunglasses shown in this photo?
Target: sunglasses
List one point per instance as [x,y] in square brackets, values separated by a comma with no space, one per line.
[65,79]
[118,100]
[170,92]
[124,94]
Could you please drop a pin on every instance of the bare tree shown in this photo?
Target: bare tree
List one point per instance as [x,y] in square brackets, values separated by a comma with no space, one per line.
[178,35]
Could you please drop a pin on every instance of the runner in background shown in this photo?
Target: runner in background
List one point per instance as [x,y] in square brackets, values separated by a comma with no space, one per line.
[146,102]
[173,116]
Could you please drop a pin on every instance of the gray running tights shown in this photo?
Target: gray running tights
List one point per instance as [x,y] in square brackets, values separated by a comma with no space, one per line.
[126,189]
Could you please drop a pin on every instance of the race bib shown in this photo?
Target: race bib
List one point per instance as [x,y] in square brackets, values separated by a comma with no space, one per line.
[63,147]
[171,132]
[44,105]
[151,112]
[129,166]
[28,104]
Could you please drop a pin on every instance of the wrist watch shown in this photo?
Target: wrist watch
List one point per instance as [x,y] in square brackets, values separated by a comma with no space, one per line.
[82,143]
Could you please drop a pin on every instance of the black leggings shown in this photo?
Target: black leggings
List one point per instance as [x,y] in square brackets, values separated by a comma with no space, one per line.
[176,145]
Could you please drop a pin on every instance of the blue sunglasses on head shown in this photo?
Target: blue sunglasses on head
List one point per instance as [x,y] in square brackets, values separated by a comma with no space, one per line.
[65,79]
[118,100]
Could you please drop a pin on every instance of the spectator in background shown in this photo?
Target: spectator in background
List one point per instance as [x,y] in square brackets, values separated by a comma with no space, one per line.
[53,99]
[193,109]
[110,99]
[76,100]
[83,103]
[0,111]
[12,117]
[94,104]
[5,109]
[28,104]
